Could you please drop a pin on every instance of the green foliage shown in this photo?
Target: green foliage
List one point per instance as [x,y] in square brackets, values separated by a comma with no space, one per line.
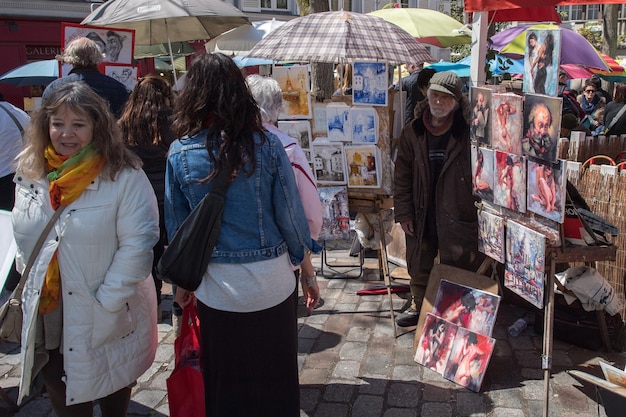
[594,37]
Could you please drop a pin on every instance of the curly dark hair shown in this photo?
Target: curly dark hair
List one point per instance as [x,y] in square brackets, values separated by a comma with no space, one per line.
[215,96]
[146,116]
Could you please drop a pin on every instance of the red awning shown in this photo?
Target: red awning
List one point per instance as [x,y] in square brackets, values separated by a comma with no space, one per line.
[527,14]
[487,5]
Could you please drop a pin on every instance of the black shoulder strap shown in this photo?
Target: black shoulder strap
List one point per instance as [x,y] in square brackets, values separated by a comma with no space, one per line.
[17,123]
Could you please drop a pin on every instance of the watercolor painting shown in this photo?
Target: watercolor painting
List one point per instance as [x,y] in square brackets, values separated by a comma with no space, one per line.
[369,83]
[328,162]
[339,122]
[364,124]
[300,130]
[467,307]
[547,182]
[480,128]
[491,235]
[506,122]
[469,358]
[435,343]
[335,214]
[525,262]
[510,181]
[541,62]
[483,172]
[295,84]
[363,164]
[542,122]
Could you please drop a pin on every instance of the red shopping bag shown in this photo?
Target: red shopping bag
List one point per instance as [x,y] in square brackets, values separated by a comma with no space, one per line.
[185,386]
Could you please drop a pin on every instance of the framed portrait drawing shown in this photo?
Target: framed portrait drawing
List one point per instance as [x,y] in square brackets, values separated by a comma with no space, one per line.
[338,122]
[369,83]
[480,127]
[295,85]
[364,124]
[542,126]
[125,74]
[117,45]
[364,165]
[328,163]
[541,62]
[300,130]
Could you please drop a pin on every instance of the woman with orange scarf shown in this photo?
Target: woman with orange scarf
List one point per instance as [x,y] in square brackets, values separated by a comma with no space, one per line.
[89,312]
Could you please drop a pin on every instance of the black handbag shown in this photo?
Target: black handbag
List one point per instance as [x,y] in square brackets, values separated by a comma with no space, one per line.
[186,258]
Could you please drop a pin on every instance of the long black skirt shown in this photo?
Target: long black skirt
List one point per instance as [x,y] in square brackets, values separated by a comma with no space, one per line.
[250,361]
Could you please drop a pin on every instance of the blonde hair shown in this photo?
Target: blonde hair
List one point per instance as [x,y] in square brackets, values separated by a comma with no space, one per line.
[82,53]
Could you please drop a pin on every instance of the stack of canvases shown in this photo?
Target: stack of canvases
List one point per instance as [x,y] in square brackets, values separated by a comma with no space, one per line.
[605,193]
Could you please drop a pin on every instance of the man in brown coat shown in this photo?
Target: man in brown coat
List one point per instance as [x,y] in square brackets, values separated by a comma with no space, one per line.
[433,188]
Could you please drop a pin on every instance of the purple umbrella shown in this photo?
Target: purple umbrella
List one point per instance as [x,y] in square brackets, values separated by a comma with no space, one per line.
[575,49]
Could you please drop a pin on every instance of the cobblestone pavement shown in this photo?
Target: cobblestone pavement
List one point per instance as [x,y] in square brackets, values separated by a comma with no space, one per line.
[351,365]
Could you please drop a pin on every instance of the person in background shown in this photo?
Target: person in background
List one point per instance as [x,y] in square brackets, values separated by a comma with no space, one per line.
[590,101]
[268,96]
[413,93]
[569,124]
[434,159]
[597,126]
[89,323]
[613,108]
[13,124]
[344,79]
[84,55]
[146,130]
[248,291]
[597,82]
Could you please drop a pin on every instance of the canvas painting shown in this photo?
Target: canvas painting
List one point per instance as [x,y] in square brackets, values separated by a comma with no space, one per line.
[467,307]
[369,83]
[547,183]
[364,124]
[117,45]
[124,74]
[338,122]
[525,262]
[295,84]
[469,358]
[483,172]
[300,130]
[335,214]
[506,122]
[320,127]
[435,344]
[509,189]
[328,163]
[541,62]
[491,235]
[481,105]
[542,126]
[363,164]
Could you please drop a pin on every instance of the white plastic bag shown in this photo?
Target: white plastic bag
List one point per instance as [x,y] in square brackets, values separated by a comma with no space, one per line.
[592,289]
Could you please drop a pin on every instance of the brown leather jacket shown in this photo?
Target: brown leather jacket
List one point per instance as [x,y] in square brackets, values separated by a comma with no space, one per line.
[457,223]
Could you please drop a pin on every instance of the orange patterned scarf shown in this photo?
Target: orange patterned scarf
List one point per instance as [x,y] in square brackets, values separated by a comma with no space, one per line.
[68,176]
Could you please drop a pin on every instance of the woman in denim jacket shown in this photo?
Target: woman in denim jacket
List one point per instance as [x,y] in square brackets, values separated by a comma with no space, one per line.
[246,301]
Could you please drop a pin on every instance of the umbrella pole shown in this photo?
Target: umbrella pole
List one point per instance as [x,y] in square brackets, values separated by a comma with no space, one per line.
[169,46]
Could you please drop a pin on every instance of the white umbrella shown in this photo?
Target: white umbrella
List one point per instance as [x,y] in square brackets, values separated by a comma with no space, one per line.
[166,21]
[240,40]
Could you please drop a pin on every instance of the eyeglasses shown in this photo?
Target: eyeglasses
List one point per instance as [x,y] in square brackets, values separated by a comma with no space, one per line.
[590,91]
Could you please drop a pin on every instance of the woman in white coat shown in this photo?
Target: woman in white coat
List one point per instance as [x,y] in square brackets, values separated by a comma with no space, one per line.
[89,311]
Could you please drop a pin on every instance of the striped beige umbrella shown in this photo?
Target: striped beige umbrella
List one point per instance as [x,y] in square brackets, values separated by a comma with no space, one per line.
[340,37]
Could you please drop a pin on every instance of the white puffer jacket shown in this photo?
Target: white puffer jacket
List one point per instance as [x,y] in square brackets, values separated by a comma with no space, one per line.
[104,241]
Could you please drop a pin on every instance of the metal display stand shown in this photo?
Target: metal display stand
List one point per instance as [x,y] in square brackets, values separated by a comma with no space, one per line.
[563,255]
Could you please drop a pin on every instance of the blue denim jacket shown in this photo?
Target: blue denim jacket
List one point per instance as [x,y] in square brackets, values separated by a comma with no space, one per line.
[263,215]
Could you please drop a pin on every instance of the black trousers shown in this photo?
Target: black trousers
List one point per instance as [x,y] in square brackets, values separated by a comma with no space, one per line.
[250,361]
[114,405]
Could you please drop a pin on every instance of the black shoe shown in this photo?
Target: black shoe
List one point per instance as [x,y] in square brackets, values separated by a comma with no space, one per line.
[408,318]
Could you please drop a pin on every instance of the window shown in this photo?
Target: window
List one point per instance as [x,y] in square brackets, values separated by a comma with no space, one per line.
[593,11]
[275,4]
[576,12]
